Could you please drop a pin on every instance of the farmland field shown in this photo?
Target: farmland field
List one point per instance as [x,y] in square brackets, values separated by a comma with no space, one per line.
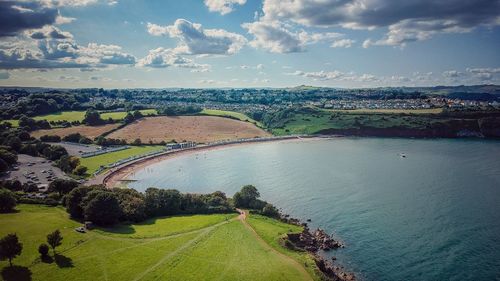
[231,114]
[200,129]
[93,163]
[223,249]
[88,131]
[72,116]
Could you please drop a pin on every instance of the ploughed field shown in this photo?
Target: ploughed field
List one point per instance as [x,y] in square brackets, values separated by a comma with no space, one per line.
[88,131]
[200,129]
[192,247]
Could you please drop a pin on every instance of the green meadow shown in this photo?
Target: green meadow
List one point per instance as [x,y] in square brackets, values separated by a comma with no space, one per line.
[230,114]
[72,116]
[93,163]
[208,247]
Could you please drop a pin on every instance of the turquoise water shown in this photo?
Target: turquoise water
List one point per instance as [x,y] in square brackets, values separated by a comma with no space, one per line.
[434,215]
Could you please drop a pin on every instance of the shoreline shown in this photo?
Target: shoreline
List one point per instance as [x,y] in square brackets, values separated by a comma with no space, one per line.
[120,173]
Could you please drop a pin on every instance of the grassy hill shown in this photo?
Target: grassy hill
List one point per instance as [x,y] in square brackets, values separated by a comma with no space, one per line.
[200,247]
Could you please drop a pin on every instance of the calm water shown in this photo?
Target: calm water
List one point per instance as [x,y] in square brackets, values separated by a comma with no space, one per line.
[434,215]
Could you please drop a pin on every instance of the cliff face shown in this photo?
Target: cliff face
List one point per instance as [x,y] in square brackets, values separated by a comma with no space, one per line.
[487,127]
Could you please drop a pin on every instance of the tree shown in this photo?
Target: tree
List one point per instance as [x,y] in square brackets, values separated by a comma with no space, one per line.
[54,239]
[62,186]
[129,118]
[246,197]
[270,211]
[80,170]
[92,118]
[4,167]
[43,249]
[74,201]
[7,201]
[9,157]
[68,163]
[10,247]
[137,141]
[102,207]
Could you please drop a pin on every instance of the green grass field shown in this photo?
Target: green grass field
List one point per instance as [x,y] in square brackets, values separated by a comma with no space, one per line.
[72,116]
[203,248]
[310,123]
[232,114]
[93,163]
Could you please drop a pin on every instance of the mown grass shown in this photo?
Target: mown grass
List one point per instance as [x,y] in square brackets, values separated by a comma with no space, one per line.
[272,231]
[93,163]
[72,116]
[165,226]
[231,114]
[225,251]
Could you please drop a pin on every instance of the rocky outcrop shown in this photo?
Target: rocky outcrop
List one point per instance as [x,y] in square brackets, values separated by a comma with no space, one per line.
[333,272]
[313,242]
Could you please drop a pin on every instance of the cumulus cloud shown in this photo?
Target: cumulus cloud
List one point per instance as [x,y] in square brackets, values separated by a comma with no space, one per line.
[195,40]
[336,76]
[275,37]
[18,16]
[223,6]
[452,74]
[485,74]
[407,21]
[162,58]
[342,43]
[49,32]
[52,48]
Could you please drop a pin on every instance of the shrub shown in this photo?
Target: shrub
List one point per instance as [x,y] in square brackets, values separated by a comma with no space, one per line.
[7,201]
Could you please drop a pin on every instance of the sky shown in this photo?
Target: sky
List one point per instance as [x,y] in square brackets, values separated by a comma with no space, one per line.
[248,43]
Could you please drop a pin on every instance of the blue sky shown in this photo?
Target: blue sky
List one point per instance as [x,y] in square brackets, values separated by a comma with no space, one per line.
[248,43]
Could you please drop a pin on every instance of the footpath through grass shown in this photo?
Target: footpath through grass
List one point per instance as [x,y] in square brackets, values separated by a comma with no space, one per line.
[93,163]
[231,114]
[219,249]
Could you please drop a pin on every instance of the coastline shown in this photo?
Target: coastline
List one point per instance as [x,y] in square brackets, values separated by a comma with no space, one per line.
[120,173]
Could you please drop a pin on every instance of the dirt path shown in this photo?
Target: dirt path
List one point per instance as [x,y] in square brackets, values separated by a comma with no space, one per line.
[242,217]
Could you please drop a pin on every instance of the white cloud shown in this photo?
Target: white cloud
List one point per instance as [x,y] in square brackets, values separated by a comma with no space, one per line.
[275,37]
[223,6]
[407,21]
[195,40]
[342,43]
[162,58]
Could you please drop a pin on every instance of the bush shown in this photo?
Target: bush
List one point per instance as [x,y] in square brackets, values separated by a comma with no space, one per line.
[7,201]
[43,249]
[80,170]
[47,138]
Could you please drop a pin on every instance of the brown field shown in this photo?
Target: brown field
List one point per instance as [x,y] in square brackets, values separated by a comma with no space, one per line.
[88,131]
[201,129]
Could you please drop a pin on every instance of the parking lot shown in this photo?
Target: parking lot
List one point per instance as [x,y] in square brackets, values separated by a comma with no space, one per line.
[35,170]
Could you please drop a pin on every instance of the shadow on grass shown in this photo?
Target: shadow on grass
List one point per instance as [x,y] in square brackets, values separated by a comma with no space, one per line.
[16,273]
[47,259]
[63,261]
[126,228]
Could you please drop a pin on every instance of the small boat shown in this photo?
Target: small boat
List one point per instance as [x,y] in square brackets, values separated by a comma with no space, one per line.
[402,155]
